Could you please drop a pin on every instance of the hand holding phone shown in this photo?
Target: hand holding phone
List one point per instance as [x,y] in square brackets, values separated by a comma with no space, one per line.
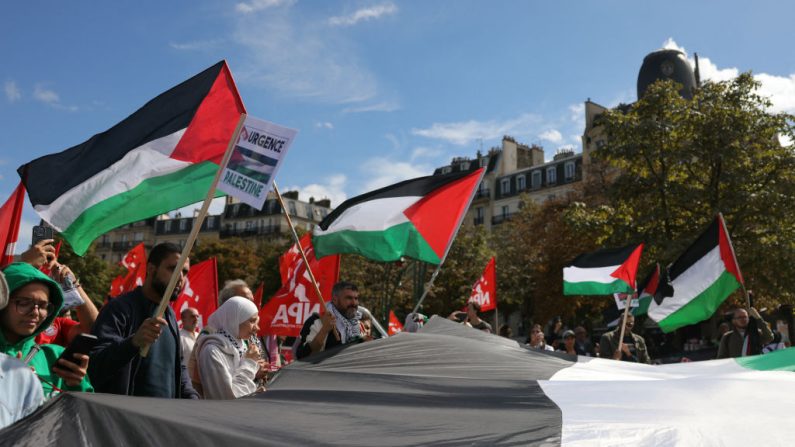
[40,233]
[82,344]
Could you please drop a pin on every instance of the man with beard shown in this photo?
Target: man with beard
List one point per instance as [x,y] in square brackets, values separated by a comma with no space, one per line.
[126,324]
[339,325]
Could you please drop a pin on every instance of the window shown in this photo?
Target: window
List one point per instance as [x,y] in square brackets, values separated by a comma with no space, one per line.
[210,222]
[124,238]
[309,212]
[479,212]
[292,208]
[505,186]
[521,183]
[249,225]
[167,226]
[183,224]
[447,169]
[465,166]
[551,175]
[536,179]
[139,236]
[105,239]
[505,212]
[569,170]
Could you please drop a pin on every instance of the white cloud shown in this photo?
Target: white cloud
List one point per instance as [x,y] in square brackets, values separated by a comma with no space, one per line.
[259,5]
[785,141]
[370,13]
[425,152]
[12,91]
[462,133]
[216,207]
[333,188]
[46,96]
[551,135]
[394,140]
[197,45]
[324,125]
[386,172]
[306,62]
[386,106]
[780,89]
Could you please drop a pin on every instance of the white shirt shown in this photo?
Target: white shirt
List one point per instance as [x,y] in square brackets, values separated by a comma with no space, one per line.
[188,341]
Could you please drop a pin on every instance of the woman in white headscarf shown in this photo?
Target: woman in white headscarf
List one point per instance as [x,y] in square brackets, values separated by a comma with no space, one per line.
[226,368]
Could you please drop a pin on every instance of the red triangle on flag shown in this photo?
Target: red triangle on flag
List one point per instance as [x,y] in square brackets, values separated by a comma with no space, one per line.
[627,271]
[438,215]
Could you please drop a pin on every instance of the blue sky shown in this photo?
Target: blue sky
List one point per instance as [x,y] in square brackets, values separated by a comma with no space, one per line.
[380,91]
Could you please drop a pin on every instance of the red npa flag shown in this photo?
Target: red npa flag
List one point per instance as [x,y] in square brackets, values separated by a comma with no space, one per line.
[484,292]
[10,217]
[200,292]
[286,311]
[135,262]
[394,324]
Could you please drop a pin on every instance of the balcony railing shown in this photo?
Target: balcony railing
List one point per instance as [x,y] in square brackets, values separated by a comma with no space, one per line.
[482,193]
[249,232]
[500,218]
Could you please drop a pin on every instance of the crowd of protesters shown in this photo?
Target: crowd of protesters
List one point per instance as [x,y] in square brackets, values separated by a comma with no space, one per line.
[227,359]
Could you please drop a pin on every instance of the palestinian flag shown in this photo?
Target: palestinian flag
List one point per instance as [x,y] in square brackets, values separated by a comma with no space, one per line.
[160,158]
[646,291]
[465,388]
[415,218]
[703,276]
[603,272]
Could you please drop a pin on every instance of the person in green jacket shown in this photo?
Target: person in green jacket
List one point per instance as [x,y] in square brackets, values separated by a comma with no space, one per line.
[34,302]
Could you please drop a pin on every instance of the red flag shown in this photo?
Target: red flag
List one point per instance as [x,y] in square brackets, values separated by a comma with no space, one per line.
[258,295]
[135,262]
[286,311]
[484,292]
[200,292]
[10,217]
[394,324]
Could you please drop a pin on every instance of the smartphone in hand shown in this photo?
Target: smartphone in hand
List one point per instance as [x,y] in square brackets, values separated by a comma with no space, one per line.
[82,344]
[40,233]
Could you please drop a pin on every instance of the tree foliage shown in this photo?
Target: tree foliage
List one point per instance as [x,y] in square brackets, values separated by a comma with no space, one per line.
[672,164]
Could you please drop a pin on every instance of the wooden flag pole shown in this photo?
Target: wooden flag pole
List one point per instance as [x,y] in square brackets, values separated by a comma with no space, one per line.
[194,232]
[303,255]
[624,323]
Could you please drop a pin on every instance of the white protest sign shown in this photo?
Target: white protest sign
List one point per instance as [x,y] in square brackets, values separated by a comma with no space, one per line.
[259,152]
[621,301]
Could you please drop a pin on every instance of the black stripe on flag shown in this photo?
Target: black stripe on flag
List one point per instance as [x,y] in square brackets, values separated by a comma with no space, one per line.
[50,176]
[705,243]
[603,258]
[417,187]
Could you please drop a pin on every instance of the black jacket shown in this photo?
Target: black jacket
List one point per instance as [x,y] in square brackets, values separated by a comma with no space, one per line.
[114,361]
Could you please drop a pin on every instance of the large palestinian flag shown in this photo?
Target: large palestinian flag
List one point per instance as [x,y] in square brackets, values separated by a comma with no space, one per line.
[701,279]
[415,218]
[603,272]
[466,387]
[162,157]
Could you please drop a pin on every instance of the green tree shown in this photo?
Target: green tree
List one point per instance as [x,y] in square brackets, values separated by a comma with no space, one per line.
[671,164]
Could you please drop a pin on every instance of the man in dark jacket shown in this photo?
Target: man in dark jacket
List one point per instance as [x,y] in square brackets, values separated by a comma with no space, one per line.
[126,324]
[633,349]
[741,341]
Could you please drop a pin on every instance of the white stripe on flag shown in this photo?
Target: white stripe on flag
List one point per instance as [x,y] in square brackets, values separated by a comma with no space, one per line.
[373,215]
[594,274]
[698,278]
[142,163]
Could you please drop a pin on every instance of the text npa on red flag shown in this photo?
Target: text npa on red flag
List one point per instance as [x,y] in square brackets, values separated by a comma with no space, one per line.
[285,313]
[484,292]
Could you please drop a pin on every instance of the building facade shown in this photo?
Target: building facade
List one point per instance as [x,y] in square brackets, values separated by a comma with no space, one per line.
[237,220]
